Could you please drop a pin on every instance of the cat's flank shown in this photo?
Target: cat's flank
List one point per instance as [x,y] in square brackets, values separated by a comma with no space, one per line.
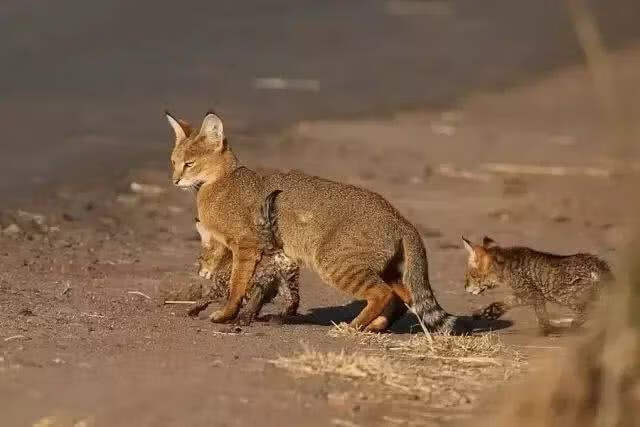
[535,278]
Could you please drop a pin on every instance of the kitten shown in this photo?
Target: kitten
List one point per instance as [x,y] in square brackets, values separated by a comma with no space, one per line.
[535,278]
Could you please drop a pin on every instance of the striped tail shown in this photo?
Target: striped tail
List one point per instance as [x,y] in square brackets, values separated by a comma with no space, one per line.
[416,278]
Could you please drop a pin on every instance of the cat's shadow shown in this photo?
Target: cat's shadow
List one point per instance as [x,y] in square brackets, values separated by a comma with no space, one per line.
[327,316]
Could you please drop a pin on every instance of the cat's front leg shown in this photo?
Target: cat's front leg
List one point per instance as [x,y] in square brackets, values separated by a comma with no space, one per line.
[213,255]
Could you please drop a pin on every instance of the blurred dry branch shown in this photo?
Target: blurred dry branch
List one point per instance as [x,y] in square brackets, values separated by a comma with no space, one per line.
[599,65]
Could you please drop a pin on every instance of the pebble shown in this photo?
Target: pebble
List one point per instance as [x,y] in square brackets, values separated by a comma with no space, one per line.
[11,229]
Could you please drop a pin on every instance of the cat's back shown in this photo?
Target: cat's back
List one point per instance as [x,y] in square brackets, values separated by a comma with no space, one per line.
[329,199]
[564,275]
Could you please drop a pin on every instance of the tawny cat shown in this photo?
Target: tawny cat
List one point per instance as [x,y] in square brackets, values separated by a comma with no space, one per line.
[353,238]
[535,279]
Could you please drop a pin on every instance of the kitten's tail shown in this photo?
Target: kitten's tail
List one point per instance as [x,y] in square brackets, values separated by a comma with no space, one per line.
[416,278]
[266,224]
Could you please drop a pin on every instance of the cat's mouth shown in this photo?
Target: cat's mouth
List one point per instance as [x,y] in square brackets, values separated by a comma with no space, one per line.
[192,187]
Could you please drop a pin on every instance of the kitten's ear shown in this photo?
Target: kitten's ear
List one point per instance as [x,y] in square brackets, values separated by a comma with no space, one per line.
[467,245]
[181,128]
[473,255]
[498,258]
[213,131]
[488,242]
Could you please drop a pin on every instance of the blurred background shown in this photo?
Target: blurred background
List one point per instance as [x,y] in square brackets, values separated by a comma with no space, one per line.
[84,84]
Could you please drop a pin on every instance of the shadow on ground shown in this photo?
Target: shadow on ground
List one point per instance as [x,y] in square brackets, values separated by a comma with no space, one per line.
[327,316]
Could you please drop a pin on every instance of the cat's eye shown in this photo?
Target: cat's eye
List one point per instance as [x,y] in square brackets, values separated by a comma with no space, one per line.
[188,164]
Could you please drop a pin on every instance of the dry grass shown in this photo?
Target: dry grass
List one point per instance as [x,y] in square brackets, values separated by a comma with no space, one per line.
[443,371]
[343,330]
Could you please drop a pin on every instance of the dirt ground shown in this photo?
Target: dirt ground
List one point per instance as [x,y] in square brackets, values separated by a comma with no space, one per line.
[77,347]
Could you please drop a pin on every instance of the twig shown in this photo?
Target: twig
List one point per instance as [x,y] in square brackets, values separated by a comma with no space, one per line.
[67,288]
[451,171]
[477,360]
[180,302]
[94,315]
[513,169]
[599,65]
[421,322]
[139,293]
[546,347]
[16,337]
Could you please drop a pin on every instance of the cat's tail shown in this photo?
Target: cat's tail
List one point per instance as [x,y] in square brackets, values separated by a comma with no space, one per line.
[266,224]
[425,305]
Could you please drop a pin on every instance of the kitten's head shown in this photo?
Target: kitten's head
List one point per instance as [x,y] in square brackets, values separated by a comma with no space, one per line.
[198,156]
[483,266]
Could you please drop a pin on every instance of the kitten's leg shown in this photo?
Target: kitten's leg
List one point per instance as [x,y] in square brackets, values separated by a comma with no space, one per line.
[255,301]
[289,288]
[543,317]
[580,311]
[497,309]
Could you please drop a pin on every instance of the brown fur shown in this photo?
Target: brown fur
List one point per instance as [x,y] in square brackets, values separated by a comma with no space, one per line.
[535,279]
[275,275]
[353,238]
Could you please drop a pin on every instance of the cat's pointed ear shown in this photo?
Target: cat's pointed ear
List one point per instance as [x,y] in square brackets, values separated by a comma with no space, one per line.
[468,245]
[213,131]
[181,128]
[488,242]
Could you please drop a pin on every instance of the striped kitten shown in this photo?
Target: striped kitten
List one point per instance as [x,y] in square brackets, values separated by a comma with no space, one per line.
[535,278]
[275,274]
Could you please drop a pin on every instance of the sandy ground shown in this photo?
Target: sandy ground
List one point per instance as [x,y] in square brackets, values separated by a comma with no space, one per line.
[77,347]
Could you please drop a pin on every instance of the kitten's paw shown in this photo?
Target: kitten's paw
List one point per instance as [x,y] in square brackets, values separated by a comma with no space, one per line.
[547,330]
[198,307]
[491,312]
[244,319]
[205,271]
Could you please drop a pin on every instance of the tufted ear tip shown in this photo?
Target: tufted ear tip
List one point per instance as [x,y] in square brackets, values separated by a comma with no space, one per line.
[488,242]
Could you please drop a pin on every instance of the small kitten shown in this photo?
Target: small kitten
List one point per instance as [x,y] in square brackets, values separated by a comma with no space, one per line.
[275,274]
[535,278]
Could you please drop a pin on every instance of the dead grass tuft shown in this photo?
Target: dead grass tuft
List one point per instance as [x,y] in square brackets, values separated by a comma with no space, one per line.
[344,330]
[444,371]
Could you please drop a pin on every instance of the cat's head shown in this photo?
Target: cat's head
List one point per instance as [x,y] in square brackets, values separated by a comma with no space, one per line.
[483,266]
[199,156]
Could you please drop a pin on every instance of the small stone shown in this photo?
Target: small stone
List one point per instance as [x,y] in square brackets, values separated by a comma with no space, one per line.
[26,312]
[11,229]
[37,218]
[127,199]
[146,189]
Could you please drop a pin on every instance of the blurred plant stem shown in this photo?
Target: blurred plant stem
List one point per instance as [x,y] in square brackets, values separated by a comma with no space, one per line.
[590,39]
